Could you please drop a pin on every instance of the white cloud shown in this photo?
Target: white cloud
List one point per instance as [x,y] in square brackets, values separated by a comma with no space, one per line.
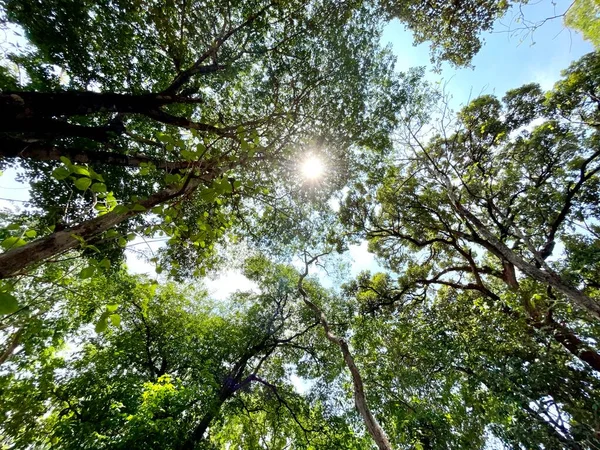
[228,282]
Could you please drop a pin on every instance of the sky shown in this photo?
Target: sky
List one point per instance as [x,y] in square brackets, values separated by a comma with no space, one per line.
[508,59]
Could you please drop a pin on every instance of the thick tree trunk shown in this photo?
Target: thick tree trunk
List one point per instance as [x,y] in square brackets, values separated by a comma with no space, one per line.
[572,343]
[198,432]
[45,128]
[12,148]
[561,334]
[27,105]
[14,261]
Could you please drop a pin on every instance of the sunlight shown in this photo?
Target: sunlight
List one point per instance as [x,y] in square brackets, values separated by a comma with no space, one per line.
[312,168]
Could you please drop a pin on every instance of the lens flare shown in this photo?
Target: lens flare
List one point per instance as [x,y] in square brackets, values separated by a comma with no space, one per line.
[312,168]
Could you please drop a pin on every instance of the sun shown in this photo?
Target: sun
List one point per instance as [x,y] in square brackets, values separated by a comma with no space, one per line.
[312,168]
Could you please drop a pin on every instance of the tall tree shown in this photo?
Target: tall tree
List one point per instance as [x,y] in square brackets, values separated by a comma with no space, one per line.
[212,100]
[164,369]
[502,208]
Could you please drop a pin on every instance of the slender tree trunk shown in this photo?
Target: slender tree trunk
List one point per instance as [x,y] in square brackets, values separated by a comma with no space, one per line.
[360,400]
[12,148]
[15,340]
[14,261]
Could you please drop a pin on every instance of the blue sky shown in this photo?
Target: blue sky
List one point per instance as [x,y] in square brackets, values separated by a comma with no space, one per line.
[507,59]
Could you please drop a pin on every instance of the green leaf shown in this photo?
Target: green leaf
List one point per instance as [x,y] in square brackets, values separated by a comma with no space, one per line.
[31,233]
[102,325]
[60,173]
[172,178]
[66,161]
[112,307]
[87,272]
[111,234]
[8,303]
[138,207]
[115,319]
[13,242]
[98,187]
[83,183]
[105,263]
[80,170]
[121,209]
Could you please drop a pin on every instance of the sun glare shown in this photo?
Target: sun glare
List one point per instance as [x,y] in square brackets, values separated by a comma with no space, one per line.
[313,168]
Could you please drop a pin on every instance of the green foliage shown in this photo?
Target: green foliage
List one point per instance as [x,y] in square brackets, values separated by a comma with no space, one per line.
[186,122]
[170,363]
[526,168]
[452,28]
[584,16]
[8,303]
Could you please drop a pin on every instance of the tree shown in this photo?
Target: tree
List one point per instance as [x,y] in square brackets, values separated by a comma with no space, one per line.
[360,399]
[481,210]
[453,28]
[583,16]
[216,104]
[170,367]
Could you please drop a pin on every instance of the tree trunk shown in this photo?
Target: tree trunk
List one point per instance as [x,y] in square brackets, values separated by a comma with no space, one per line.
[360,400]
[14,261]
[571,342]
[12,148]
[561,334]
[23,105]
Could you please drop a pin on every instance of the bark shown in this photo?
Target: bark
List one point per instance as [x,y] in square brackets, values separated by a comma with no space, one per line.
[561,334]
[549,278]
[200,429]
[14,261]
[14,343]
[232,383]
[12,148]
[47,128]
[373,427]
[44,114]
[572,343]
[27,105]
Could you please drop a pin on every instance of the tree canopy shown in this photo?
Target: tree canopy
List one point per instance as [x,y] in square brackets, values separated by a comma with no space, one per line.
[190,122]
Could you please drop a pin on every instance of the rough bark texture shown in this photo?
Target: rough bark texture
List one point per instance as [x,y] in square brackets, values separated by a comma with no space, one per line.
[360,400]
[14,261]
[572,343]
[561,334]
